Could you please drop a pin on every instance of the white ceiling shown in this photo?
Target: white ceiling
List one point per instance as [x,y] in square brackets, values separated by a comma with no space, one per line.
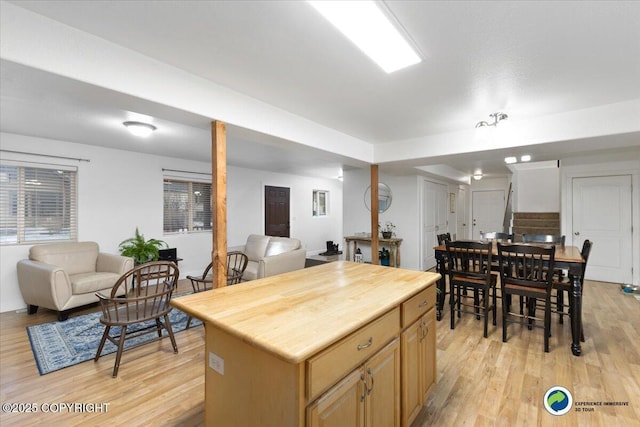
[529,59]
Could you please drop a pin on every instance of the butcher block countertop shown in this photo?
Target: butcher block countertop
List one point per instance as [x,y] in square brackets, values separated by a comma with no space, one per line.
[295,315]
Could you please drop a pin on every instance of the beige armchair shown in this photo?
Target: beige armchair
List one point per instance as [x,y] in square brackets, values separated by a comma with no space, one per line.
[68,275]
[270,255]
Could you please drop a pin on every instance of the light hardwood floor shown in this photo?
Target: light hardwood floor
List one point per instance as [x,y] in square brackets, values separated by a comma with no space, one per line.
[480,381]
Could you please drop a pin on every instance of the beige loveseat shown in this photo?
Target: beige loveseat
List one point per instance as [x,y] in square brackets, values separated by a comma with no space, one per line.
[67,275]
[270,255]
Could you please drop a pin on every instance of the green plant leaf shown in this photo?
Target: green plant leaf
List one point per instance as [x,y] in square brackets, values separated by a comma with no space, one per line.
[141,250]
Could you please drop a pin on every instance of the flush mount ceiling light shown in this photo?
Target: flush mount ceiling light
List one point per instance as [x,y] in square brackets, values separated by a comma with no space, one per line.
[497,117]
[139,128]
[370,29]
[477,176]
[510,160]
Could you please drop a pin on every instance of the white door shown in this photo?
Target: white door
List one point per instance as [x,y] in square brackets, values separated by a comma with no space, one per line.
[488,211]
[462,229]
[602,214]
[434,220]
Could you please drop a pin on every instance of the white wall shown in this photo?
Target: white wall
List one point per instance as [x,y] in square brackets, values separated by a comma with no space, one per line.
[119,191]
[537,187]
[403,212]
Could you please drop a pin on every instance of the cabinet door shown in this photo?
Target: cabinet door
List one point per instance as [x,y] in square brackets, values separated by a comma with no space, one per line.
[412,392]
[427,353]
[341,406]
[382,371]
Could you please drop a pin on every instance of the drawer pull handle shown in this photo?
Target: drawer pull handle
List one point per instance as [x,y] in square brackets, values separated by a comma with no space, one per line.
[422,304]
[367,345]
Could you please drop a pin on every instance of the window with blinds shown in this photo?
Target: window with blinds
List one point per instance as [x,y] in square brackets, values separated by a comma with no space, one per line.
[37,205]
[187,206]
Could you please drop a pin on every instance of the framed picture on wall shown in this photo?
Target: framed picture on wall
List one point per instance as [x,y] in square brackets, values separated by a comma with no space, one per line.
[452,202]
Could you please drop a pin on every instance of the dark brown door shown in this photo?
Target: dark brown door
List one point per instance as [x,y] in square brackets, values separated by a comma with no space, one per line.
[276,211]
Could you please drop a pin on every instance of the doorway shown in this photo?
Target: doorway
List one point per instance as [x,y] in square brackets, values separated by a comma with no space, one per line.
[602,213]
[435,208]
[461,216]
[276,211]
[488,211]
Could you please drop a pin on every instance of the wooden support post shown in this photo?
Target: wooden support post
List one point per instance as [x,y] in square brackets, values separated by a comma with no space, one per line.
[219,202]
[374,215]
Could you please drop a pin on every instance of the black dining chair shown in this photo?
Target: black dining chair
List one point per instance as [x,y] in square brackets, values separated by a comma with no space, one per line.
[564,286]
[443,238]
[469,269]
[524,271]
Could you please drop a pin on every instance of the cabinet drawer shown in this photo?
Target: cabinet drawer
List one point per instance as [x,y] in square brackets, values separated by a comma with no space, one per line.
[417,305]
[328,366]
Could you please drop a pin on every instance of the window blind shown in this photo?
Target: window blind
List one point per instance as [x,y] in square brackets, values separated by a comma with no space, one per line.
[37,204]
[187,206]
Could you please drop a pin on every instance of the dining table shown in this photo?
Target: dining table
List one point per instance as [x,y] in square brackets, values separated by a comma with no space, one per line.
[566,257]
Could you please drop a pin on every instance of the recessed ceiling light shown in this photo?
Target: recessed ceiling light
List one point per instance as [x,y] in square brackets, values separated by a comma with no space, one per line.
[525,158]
[139,128]
[366,25]
[510,160]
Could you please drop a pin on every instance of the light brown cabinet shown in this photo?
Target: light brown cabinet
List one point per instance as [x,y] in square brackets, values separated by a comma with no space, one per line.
[368,397]
[418,355]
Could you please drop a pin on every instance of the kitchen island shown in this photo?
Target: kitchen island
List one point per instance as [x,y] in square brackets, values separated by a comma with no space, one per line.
[341,342]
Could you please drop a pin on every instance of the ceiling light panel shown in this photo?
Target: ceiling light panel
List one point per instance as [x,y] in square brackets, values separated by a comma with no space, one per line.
[510,160]
[366,25]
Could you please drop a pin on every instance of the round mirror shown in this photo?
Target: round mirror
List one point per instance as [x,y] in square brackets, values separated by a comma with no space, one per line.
[384,197]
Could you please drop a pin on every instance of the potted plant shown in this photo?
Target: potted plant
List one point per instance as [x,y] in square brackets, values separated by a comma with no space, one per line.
[384,256]
[141,250]
[387,230]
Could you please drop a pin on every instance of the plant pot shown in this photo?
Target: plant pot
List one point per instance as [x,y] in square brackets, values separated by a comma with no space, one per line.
[386,234]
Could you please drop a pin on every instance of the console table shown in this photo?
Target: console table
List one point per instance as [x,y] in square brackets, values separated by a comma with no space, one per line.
[393,243]
[325,345]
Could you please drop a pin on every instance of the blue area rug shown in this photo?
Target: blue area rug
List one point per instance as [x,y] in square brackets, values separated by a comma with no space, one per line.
[57,345]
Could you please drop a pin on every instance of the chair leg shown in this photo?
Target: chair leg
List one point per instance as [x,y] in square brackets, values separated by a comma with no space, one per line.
[102,341]
[63,315]
[188,322]
[167,325]
[116,366]
[476,303]
[560,305]
[547,324]
[485,298]
[495,305]
[504,318]
[452,303]
[159,328]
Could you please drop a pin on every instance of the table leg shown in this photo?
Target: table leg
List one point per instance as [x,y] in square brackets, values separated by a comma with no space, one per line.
[442,284]
[392,255]
[576,309]
[348,255]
